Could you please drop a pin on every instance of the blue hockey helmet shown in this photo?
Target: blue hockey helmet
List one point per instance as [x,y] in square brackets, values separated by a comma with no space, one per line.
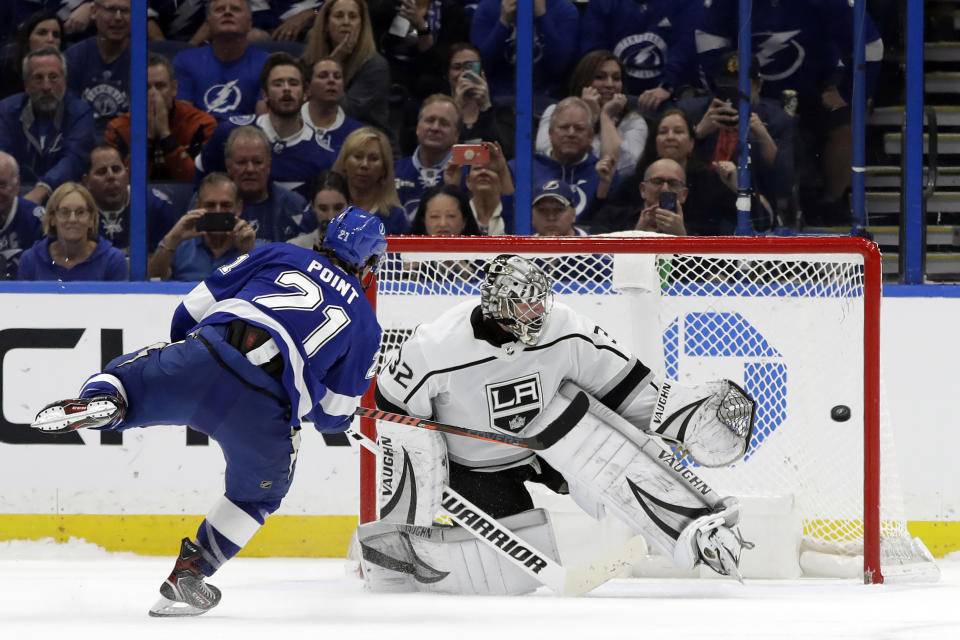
[357,237]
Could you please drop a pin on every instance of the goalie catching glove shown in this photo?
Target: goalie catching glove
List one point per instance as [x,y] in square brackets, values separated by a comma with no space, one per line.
[712,422]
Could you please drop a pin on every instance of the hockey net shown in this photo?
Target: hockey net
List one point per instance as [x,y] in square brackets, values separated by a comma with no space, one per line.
[795,321]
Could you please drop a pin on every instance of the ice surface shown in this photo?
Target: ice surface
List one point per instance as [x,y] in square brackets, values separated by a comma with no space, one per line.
[76,591]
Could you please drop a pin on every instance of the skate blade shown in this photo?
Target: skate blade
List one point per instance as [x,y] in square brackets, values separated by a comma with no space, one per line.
[167,608]
[55,420]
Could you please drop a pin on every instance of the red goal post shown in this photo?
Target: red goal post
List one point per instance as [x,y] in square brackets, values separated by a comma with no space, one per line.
[729,257]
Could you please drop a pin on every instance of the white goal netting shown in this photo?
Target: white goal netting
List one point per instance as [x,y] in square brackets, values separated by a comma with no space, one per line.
[790,324]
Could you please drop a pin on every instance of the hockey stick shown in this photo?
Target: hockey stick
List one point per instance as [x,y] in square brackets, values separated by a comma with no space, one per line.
[519,552]
[545,439]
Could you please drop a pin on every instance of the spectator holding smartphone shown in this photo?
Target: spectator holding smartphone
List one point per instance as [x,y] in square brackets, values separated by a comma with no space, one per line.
[481,119]
[771,129]
[189,251]
[490,189]
[663,192]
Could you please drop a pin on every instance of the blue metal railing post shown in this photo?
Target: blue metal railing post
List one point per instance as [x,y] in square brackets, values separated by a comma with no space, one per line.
[913,153]
[524,107]
[858,109]
[744,46]
[138,140]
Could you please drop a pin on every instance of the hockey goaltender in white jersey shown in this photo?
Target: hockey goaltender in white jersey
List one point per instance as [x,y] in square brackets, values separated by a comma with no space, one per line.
[512,362]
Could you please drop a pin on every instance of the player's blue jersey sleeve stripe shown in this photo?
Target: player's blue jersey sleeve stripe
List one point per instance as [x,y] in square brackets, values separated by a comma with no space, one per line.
[335,404]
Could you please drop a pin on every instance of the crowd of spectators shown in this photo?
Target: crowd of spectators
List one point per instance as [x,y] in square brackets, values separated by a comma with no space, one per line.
[281,112]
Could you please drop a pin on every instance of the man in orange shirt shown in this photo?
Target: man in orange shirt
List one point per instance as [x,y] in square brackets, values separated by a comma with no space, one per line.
[176,130]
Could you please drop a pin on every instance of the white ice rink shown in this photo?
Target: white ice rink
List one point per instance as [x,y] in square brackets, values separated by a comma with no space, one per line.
[79,592]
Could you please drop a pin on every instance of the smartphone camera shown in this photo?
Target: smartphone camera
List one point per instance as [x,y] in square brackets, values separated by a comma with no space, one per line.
[668,200]
[474,67]
[470,154]
[218,221]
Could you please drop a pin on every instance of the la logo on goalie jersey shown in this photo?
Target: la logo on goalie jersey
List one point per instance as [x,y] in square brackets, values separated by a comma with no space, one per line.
[514,403]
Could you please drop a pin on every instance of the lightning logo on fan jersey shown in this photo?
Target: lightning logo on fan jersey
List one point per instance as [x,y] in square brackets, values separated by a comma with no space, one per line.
[222,98]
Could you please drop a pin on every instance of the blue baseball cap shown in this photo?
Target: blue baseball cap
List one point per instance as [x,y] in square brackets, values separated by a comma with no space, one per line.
[554,189]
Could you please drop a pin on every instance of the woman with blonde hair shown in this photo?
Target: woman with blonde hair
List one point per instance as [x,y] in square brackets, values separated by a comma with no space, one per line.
[72,250]
[343,32]
[367,161]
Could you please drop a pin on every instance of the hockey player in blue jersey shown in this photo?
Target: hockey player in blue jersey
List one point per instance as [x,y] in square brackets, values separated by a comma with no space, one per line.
[282,335]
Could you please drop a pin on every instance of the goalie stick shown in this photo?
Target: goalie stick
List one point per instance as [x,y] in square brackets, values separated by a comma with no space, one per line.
[561,580]
[574,412]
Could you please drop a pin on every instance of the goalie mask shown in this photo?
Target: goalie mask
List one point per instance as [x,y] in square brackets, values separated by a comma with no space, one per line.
[518,294]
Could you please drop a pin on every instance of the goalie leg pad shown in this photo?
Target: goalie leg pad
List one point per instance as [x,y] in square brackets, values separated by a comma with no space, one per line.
[398,557]
[412,473]
[639,481]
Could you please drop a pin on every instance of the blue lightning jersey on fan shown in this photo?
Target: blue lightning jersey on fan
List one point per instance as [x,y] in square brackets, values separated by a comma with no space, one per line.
[317,315]
[294,161]
[222,89]
[800,44]
[652,39]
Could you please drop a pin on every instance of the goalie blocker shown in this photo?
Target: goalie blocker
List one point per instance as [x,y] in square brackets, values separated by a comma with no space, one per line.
[608,464]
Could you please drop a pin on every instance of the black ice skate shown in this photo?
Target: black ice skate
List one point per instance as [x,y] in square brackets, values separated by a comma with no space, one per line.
[185,593]
[102,411]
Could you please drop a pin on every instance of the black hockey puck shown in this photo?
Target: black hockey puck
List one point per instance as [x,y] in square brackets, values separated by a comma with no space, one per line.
[840,413]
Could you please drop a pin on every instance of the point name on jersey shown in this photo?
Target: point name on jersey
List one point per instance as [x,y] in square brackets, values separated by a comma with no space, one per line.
[327,275]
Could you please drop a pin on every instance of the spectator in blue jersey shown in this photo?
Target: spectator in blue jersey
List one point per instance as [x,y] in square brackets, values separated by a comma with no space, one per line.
[367,162]
[494,31]
[490,190]
[805,47]
[72,250]
[342,31]
[438,129]
[329,195]
[323,110]
[281,337]
[222,78]
[481,120]
[771,130]
[286,20]
[20,224]
[42,29]
[297,152]
[274,212]
[621,132]
[444,210]
[176,131]
[571,158]
[101,64]
[187,253]
[48,132]
[654,41]
[108,181]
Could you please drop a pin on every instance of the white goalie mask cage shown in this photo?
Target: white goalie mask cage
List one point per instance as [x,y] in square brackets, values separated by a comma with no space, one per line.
[517,293]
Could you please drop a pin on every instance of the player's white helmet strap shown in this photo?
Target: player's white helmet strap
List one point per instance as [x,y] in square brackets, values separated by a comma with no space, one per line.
[518,294]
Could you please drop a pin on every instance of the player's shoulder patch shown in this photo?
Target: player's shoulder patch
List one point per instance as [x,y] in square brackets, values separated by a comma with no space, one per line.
[38,212]
[242,120]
